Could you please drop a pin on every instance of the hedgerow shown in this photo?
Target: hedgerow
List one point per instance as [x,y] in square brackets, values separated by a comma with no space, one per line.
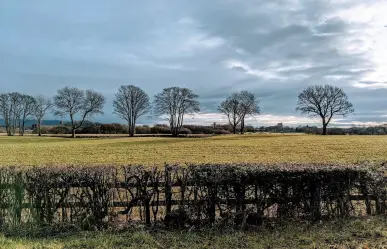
[188,196]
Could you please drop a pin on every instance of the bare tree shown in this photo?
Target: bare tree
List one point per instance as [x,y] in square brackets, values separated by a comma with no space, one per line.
[42,105]
[174,103]
[249,105]
[324,101]
[13,109]
[77,103]
[6,111]
[16,110]
[231,108]
[27,104]
[130,103]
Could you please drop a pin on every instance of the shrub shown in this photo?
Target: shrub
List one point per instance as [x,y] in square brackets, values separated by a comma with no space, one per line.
[143,129]
[185,131]
[90,128]
[160,129]
[114,129]
[221,132]
[91,197]
[43,129]
[60,130]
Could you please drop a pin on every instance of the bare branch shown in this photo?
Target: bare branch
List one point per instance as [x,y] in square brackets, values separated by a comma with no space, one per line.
[174,103]
[130,103]
[78,103]
[325,102]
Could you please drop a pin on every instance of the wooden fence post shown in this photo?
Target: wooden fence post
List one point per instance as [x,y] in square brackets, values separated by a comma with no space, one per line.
[168,191]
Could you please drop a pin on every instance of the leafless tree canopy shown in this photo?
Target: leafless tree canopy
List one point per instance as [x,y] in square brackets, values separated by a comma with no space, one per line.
[238,106]
[130,103]
[77,103]
[15,109]
[41,107]
[7,111]
[231,108]
[249,106]
[27,104]
[324,101]
[174,103]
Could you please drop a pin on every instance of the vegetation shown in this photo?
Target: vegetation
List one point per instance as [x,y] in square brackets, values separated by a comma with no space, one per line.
[237,107]
[254,148]
[341,234]
[173,104]
[324,101]
[16,108]
[263,148]
[76,103]
[178,197]
[130,103]
[42,106]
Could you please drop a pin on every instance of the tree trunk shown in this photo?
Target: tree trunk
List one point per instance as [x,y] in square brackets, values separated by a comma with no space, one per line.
[234,129]
[324,129]
[22,128]
[174,132]
[39,129]
[73,132]
[243,126]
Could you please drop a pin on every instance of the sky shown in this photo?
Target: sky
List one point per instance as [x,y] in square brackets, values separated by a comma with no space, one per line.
[273,48]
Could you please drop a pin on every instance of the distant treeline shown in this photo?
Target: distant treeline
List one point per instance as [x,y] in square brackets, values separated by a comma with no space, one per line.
[216,129]
[172,104]
[356,130]
[116,128]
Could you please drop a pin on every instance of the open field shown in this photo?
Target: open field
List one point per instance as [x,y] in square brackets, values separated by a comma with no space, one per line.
[358,233]
[259,148]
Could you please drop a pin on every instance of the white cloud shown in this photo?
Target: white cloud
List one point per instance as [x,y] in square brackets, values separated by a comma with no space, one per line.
[272,71]
[201,41]
[372,86]
[239,65]
[270,120]
[259,120]
[182,39]
[368,39]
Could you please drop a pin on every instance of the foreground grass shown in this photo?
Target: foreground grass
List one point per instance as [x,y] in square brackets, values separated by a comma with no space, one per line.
[221,149]
[364,233]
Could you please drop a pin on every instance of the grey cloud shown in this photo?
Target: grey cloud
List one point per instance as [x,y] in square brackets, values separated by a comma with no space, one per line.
[156,44]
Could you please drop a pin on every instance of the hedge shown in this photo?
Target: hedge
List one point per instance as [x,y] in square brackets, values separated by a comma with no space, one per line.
[188,196]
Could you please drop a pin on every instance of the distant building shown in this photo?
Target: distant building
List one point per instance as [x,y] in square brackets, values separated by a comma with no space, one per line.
[280,126]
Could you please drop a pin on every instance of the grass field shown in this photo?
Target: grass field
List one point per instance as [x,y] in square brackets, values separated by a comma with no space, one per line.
[359,233]
[260,148]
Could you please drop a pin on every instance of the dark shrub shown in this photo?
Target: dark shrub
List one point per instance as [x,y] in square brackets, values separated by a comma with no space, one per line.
[43,129]
[91,197]
[60,130]
[185,131]
[143,129]
[160,129]
[221,132]
[114,129]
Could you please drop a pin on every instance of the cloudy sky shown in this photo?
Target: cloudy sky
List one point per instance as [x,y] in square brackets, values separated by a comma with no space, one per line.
[273,48]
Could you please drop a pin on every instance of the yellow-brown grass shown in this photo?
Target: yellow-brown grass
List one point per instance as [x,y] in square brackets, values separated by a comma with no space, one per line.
[262,148]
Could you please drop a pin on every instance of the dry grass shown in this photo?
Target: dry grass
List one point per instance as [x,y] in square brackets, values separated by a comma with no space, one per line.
[263,148]
[359,233]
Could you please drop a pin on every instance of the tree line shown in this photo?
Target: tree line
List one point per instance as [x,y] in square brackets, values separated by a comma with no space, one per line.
[173,104]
